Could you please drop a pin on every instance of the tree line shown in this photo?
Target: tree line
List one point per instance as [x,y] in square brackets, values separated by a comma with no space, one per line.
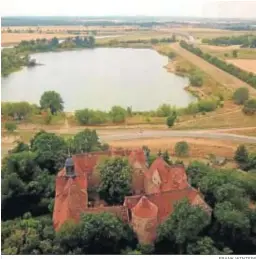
[245,76]
[246,41]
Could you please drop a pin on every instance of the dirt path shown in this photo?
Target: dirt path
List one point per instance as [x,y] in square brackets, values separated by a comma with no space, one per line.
[223,77]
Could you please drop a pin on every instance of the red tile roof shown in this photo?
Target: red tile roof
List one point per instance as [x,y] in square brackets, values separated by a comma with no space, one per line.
[145,209]
[70,199]
[137,156]
[172,177]
[165,201]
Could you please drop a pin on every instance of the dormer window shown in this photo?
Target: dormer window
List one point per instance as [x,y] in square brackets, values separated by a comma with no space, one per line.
[70,167]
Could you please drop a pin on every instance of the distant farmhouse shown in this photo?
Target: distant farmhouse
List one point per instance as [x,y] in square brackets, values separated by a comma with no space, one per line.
[155,189]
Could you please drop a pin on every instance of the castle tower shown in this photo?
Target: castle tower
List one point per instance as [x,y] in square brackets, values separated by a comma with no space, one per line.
[71,196]
[144,220]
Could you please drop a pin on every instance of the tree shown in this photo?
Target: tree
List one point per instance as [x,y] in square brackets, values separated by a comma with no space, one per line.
[182,149]
[205,246]
[241,155]
[234,53]
[118,114]
[85,141]
[53,101]
[28,235]
[101,233]
[51,151]
[116,180]
[182,226]
[10,126]
[196,80]
[250,107]
[241,95]
[171,119]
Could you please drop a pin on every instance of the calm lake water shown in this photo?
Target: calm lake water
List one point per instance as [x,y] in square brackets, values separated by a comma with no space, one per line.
[98,79]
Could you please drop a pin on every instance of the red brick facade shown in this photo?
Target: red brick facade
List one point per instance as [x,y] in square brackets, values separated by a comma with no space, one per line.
[156,190]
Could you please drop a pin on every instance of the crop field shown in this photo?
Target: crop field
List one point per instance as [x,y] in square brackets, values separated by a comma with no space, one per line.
[226,52]
[14,38]
[248,65]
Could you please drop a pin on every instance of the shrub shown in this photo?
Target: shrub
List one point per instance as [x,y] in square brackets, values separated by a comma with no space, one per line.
[196,80]
[10,126]
[90,117]
[171,119]
[182,149]
[207,105]
[118,114]
[241,95]
[164,110]
[250,107]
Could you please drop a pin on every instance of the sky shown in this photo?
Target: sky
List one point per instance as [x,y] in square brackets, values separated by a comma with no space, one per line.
[195,8]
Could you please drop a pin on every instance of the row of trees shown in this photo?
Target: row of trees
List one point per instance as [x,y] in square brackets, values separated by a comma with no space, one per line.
[28,172]
[247,41]
[245,76]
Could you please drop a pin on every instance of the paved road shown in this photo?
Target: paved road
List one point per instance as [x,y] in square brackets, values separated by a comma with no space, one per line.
[147,134]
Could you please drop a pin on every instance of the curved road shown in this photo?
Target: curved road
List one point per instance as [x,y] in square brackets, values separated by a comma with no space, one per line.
[146,134]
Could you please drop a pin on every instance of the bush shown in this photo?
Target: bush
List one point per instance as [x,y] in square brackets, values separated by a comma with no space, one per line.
[118,114]
[171,119]
[207,105]
[182,149]
[164,110]
[90,117]
[250,107]
[196,80]
[241,95]
[10,126]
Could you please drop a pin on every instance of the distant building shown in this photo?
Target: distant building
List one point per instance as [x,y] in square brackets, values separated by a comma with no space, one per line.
[155,191]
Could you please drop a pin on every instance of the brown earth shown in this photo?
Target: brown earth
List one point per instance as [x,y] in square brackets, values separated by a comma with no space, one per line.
[249,65]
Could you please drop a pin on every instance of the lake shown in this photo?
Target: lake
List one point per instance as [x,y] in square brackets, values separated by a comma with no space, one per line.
[100,78]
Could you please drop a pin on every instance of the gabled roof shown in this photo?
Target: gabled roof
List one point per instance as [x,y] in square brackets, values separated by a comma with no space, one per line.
[172,177]
[145,209]
[70,199]
[137,156]
[165,201]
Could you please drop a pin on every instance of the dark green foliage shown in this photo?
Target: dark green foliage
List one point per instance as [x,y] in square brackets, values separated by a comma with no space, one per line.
[51,151]
[85,141]
[207,105]
[10,126]
[53,101]
[241,95]
[12,61]
[182,226]
[247,41]
[90,117]
[116,180]
[96,234]
[196,79]
[245,76]
[171,118]
[234,53]
[250,107]
[241,155]
[166,157]
[28,236]
[182,149]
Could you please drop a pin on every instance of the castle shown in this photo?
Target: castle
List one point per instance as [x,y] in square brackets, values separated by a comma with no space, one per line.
[155,190]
